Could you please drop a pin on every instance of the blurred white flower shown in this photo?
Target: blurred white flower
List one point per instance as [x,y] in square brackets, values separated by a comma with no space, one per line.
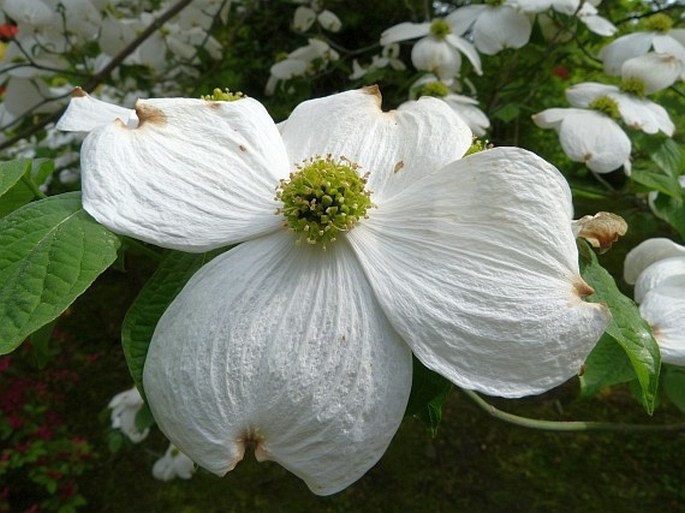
[590,137]
[657,269]
[494,27]
[305,60]
[662,38]
[636,112]
[305,16]
[172,465]
[125,406]
[656,71]
[465,106]
[389,57]
[439,49]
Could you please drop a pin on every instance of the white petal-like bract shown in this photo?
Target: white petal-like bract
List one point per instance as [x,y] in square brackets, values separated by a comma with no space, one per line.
[194,175]
[284,347]
[483,282]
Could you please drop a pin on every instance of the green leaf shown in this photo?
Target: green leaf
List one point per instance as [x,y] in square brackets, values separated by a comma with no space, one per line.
[657,182]
[507,113]
[429,391]
[669,158]
[11,172]
[672,210]
[144,419]
[627,327]
[51,251]
[607,365]
[173,272]
[40,341]
[674,386]
[25,189]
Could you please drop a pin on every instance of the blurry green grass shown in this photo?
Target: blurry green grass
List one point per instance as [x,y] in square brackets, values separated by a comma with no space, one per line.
[476,464]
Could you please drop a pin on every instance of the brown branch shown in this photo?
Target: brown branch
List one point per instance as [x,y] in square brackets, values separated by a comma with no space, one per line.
[101,75]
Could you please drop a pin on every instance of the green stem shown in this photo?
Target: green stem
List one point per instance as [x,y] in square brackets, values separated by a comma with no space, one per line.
[566,426]
[34,188]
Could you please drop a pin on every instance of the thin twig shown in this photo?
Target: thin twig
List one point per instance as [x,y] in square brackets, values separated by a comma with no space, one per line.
[568,426]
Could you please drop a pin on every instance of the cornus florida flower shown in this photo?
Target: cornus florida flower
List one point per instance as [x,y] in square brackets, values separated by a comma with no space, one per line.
[494,27]
[172,465]
[657,269]
[465,106]
[590,136]
[438,50]
[306,354]
[125,406]
[661,37]
[636,112]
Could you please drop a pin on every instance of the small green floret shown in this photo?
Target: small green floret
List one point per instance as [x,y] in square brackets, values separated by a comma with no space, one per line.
[478,145]
[605,105]
[436,89]
[440,28]
[223,96]
[659,23]
[323,198]
[634,86]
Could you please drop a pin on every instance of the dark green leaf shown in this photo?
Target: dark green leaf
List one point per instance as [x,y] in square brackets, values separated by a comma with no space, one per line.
[627,327]
[428,394]
[50,253]
[11,172]
[674,386]
[657,182]
[24,189]
[669,158]
[173,272]
[607,365]
[507,113]
[144,419]
[672,210]
[40,341]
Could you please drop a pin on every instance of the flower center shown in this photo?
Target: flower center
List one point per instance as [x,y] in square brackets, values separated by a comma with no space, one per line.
[605,105]
[223,96]
[659,23]
[634,86]
[436,89]
[323,197]
[440,28]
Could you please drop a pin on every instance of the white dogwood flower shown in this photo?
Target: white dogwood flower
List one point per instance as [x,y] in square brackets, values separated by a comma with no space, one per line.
[657,269]
[125,406]
[172,465]
[636,112]
[305,16]
[306,353]
[660,37]
[589,136]
[656,71]
[494,27]
[439,49]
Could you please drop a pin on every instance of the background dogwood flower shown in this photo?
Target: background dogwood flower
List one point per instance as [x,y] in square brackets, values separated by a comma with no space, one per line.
[125,406]
[439,49]
[657,269]
[172,465]
[307,353]
[590,137]
[635,111]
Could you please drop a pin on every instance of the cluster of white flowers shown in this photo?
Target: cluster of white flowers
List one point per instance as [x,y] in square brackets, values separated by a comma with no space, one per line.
[35,62]
[589,132]
[657,269]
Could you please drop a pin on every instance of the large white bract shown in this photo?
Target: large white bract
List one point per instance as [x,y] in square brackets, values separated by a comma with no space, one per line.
[306,354]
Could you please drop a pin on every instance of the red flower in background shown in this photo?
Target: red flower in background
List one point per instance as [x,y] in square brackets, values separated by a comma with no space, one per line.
[8,31]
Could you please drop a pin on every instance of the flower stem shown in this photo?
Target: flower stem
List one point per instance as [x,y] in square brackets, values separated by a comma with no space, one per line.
[566,426]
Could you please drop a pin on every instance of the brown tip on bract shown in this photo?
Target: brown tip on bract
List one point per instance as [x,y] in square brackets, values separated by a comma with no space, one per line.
[373,90]
[78,93]
[149,114]
[582,289]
